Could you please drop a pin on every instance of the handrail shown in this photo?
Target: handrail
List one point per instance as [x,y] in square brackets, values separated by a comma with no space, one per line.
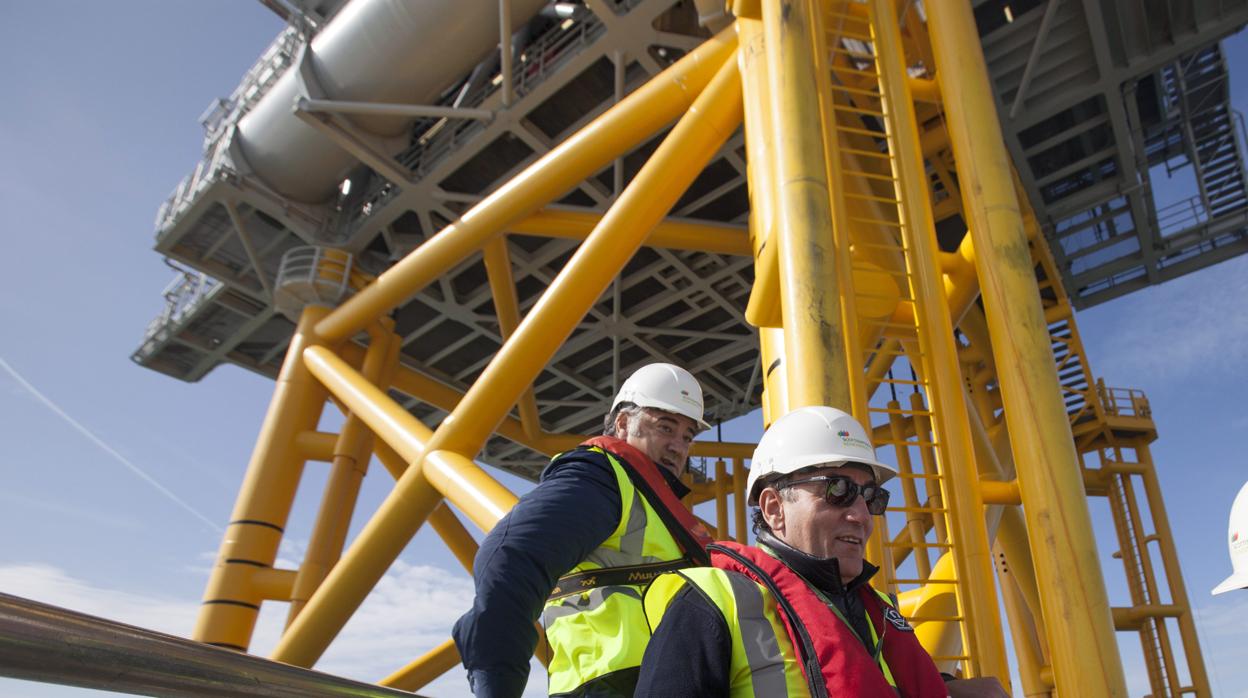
[48,644]
[1123,402]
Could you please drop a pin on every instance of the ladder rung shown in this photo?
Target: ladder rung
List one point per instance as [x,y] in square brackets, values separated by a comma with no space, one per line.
[844,15]
[951,658]
[878,245]
[918,476]
[860,37]
[860,110]
[920,444]
[877,221]
[899,352]
[890,410]
[901,381]
[869,175]
[855,71]
[870,197]
[856,91]
[925,581]
[855,54]
[919,510]
[877,297]
[868,153]
[918,545]
[874,269]
[863,131]
[887,324]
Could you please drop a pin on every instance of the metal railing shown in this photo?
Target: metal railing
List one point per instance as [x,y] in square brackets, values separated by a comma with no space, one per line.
[182,297]
[48,644]
[1123,402]
[217,120]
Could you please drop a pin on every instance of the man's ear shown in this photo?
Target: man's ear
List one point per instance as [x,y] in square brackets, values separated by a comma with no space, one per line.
[621,424]
[772,509]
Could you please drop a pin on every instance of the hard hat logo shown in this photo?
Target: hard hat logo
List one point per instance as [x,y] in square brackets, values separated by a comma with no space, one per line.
[855,442]
[1237,545]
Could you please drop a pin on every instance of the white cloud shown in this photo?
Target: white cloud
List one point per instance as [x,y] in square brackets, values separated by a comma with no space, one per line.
[1185,327]
[51,585]
[1222,623]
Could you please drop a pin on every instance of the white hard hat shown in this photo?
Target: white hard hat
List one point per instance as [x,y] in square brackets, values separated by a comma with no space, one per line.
[811,436]
[666,387]
[1237,541]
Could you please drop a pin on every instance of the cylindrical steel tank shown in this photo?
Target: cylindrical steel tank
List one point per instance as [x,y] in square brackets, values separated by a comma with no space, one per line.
[373,51]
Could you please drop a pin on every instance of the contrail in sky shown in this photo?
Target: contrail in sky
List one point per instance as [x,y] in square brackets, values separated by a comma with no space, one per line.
[107,449]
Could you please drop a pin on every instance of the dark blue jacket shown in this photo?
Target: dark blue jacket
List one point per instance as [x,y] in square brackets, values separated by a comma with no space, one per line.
[573,510]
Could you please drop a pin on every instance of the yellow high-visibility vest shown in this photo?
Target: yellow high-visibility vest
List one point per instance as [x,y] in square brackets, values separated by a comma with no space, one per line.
[602,630]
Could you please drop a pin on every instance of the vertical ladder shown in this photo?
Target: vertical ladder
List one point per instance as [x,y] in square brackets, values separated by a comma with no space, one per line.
[866,179]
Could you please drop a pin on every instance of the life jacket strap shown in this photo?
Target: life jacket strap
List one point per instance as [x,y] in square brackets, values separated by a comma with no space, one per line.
[638,575]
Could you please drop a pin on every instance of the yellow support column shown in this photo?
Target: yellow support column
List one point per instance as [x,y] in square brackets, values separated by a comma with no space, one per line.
[763,310]
[815,362]
[739,476]
[421,671]
[503,290]
[232,599]
[1072,588]
[400,516]
[722,485]
[352,453]
[959,476]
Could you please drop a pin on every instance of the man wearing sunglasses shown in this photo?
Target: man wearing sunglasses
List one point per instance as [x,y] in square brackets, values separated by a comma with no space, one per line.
[794,615]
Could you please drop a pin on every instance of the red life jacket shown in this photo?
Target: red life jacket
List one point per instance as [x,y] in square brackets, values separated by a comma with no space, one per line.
[642,465]
[847,668]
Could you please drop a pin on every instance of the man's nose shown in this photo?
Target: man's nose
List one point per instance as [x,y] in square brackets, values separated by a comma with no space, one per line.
[858,510]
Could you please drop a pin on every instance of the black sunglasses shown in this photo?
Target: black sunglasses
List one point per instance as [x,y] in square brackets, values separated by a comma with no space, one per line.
[842,491]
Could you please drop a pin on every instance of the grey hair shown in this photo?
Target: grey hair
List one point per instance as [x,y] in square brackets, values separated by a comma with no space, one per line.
[756,517]
[632,409]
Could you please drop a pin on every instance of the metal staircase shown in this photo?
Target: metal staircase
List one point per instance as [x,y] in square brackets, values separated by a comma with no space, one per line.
[1196,91]
[1112,428]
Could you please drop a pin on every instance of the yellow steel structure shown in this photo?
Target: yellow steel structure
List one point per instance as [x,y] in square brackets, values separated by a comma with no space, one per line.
[856,306]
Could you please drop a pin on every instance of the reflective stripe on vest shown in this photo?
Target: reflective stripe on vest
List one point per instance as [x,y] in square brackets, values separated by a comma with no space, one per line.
[763,662]
[603,630]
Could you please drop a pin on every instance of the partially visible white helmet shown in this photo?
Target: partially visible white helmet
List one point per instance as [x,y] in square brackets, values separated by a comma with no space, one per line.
[810,436]
[1237,540]
[665,387]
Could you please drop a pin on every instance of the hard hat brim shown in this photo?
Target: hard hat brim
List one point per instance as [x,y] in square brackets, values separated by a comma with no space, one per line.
[1239,580]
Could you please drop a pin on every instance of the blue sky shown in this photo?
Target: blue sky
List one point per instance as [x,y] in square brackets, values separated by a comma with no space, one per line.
[101,125]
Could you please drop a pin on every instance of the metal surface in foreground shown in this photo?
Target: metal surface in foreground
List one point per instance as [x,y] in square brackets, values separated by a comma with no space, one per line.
[45,643]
